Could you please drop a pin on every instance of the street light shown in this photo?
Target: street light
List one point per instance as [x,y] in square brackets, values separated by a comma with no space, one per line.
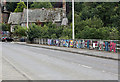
[73,34]
[27,14]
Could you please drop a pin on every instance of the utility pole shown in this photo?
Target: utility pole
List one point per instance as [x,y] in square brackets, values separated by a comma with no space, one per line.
[73,34]
[27,15]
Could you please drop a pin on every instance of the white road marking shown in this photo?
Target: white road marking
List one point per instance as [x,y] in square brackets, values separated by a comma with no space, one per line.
[114,74]
[79,64]
[110,73]
[86,66]
[103,71]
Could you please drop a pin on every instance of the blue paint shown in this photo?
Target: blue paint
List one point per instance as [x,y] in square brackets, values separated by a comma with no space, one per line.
[106,46]
[88,43]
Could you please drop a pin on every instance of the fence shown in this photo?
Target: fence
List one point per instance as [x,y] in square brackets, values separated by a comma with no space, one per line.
[102,45]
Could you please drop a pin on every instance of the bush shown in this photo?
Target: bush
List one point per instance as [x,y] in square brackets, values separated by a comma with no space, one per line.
[4,27]
[49,31]
[34,31]
[20,7]
[20,31]
[88,33]
[41,5]
[114,34]
[66,33]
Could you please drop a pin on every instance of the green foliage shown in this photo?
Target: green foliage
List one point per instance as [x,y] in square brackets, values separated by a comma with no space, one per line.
[95,20]
[92,23]
[69,16]
[88,33]
[53,36]
[78,6]
[114,34]
[5,27]
[107,12]
[67,33]
[20,7]
[34,31]
[56,30]
[11,6]
[49,31]
[104,33]
[20,31]
[41,5]
[44,32]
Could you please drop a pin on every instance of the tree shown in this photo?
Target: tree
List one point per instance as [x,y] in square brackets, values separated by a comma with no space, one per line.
[34,31]
[53,36]
[41,5]
[107,12]
[91,23]
[78,6]
[69,16]
[57,4]
[114,34]
[66,33]
[99,18]
[20,7]
[5,27]
[11,6]
[49,31]
[89,33]
[44,32]
[20,31]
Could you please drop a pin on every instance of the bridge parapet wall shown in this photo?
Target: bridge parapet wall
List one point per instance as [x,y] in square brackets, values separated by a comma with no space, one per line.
[92,44]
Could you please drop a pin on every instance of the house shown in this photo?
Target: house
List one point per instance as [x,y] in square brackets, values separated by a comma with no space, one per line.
[14,19]
[0,13]
[4,14]
[38,16]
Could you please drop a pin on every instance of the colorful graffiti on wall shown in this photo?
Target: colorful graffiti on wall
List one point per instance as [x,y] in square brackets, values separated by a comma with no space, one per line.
[89,44]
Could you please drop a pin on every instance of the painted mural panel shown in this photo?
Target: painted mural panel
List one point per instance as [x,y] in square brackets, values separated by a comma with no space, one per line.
[110,46]
[71,43]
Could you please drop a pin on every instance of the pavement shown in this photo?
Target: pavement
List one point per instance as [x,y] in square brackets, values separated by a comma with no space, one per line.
[9,72]
[0,62]
[38,63]
[94,53]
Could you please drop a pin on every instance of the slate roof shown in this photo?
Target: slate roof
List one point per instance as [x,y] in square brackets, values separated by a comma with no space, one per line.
[34,15]
[42,15]
[15,18]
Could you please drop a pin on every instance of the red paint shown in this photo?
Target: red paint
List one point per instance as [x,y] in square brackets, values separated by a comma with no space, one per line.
[112,46]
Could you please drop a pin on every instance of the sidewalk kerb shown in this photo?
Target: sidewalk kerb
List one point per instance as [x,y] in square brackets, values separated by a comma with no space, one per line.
[71,52]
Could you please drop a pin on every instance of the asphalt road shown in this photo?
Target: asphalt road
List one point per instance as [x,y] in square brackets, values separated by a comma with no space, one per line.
[46,64]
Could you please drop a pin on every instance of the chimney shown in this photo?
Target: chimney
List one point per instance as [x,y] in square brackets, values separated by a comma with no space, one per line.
[64,6]
[4,2]
[4,5]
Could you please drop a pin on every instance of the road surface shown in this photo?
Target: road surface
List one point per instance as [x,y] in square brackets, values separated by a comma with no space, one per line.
[46,64]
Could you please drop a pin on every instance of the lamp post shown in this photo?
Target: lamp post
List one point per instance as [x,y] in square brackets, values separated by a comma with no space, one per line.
[27,14]
[27,21]
[73,34]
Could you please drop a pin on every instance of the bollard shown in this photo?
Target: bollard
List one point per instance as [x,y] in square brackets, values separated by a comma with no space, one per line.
[39,40]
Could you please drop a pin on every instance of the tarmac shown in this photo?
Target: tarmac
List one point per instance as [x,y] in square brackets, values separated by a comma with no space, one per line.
[87,52]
